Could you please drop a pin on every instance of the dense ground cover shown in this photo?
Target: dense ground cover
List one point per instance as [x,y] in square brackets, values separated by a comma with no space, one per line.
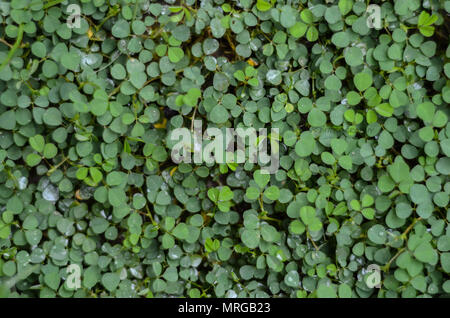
[358,90]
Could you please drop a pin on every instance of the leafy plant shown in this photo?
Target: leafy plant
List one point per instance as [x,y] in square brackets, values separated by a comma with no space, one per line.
[87,178]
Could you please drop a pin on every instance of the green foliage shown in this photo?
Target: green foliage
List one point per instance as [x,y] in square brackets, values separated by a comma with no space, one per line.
[86,176]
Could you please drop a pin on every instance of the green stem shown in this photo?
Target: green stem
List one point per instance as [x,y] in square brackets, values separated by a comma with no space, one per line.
[268,218]
[261,205]
[14,47]
[312,241]
[386,267]
[52,3]
[136,5]
[13,177]
[113,13]
[49,172]
[403,235]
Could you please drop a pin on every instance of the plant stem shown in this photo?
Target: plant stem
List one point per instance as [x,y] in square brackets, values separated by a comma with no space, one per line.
[312,241]
[4,42]
[261,204]
[267,218]
[386,267]
[112,14]
[410,227]
[56,166]
[52,3]
[14,47]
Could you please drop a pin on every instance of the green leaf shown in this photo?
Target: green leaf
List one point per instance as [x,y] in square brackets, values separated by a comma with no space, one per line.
[8,120]
[52,280]
[181,231]
[308,216]
[71,61]
[272,193]
[325,291]
[37,143]
[307,16]
[316,118]
[425,253]
[219,114]
[298,29]
[33,159]
[305,146]
[292,279]
[121,29]
[377,234]
[250,238]
[385,109]
[345,6]
[213,194]
[239,75]
[426,19]
[96,174]
[445,262]
[399,170]
[362,81]
[367,200]
[52,117]
[297,227]
[287,16]
[225,194]
[175,54]
[50,151]
[261,179]
[353,56]
[110,281]
[263,5]
[116,196]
